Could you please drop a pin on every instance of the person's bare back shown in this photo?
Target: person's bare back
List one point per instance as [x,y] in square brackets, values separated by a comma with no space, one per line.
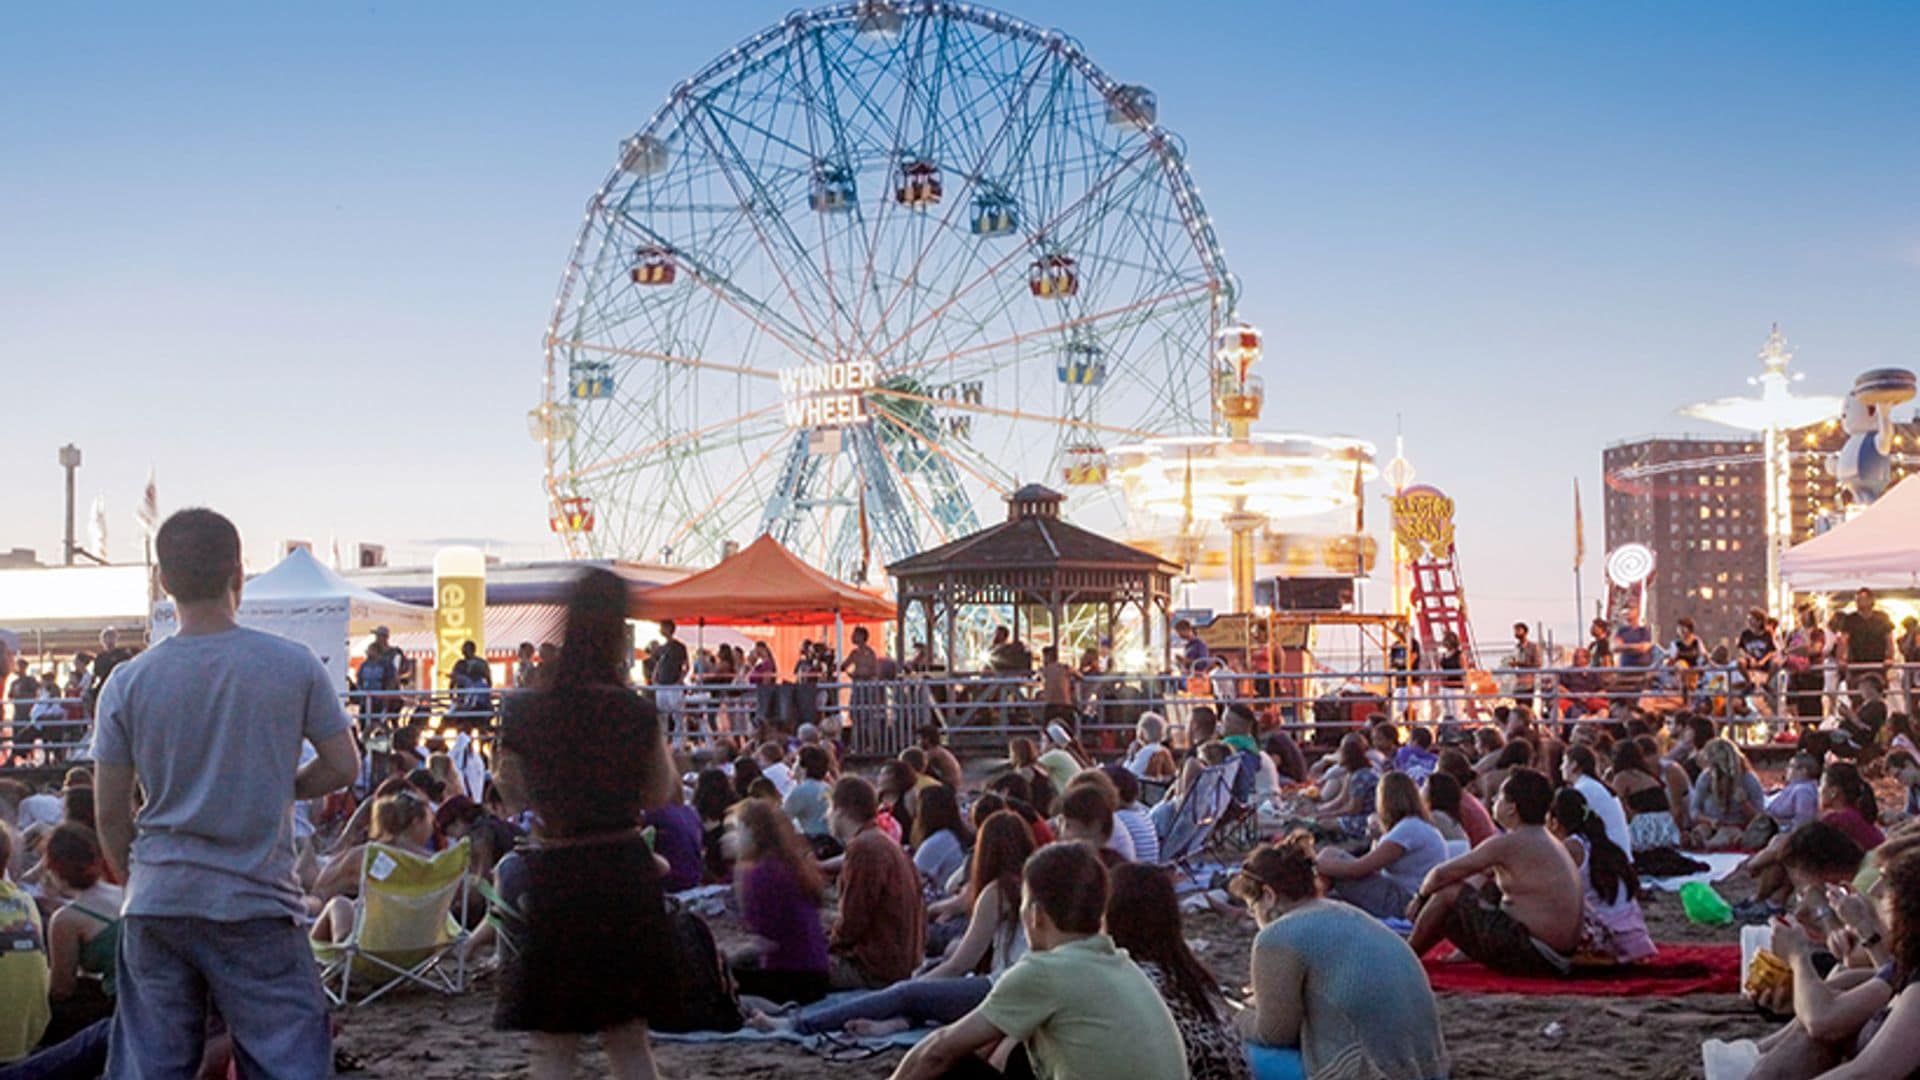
[1539,884]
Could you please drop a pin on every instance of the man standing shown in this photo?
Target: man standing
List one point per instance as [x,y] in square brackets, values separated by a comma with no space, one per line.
[1193,651]
[1527,659]
[669,677]
[474,675]
[1866,641]
[209,723]
[524,671]
[111,656]
[21,691]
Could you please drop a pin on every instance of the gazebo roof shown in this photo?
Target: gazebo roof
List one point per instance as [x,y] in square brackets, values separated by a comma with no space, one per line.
[1032,538]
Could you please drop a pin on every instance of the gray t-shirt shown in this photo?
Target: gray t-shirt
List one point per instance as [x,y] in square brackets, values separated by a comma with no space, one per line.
[1425,849]
[212,725]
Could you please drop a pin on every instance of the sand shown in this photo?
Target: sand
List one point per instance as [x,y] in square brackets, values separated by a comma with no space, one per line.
[422,1037]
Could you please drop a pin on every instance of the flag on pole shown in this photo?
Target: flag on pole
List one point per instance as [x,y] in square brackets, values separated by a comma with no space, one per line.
[1579,530]
[148,512]
[98,537]
[1359,517]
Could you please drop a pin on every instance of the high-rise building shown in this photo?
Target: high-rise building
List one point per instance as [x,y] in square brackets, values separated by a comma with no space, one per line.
[1699,503]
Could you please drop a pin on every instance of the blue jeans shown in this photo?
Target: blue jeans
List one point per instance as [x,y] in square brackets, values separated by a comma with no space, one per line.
[80,1057]
[1276,1062]
[922,1001]
[261,976]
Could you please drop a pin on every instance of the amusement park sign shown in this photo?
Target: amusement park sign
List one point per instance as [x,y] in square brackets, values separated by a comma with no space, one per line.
[1423,522]
[828,395]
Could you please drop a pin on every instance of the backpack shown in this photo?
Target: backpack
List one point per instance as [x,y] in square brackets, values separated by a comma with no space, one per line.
[707,999]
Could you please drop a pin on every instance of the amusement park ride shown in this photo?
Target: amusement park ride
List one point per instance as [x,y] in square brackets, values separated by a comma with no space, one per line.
[881,263]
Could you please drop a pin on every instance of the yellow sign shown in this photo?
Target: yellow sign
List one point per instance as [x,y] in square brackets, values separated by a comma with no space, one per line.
[1423,522]
[459,608]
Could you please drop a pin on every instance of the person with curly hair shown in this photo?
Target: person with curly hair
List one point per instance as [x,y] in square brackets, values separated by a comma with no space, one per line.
[1359,971]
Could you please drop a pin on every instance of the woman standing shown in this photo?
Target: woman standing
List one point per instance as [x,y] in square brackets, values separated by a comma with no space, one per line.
[589,757]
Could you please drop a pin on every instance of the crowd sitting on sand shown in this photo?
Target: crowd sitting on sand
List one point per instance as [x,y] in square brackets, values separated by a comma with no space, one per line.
[1033,919]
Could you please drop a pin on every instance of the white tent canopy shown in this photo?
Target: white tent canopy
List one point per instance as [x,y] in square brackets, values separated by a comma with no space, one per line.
[302,599]
[1880,549]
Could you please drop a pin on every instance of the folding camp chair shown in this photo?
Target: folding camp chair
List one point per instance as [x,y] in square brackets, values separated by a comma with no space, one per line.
[1200,811]
[404,930]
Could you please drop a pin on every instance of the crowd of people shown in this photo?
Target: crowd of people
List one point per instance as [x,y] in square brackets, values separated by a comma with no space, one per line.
[161,914]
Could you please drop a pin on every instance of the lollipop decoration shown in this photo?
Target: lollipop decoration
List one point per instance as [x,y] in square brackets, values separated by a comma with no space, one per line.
[1629,565]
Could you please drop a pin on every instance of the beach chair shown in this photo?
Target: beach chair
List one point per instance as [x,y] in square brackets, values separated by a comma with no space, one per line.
[404,929]
[1199,813]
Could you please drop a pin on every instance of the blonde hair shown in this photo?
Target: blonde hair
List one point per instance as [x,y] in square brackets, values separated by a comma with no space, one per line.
[1397,798]
[441,766]
[1723,765]
[394,814]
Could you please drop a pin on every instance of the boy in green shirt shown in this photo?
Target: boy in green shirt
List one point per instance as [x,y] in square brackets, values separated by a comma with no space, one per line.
[1078,1006]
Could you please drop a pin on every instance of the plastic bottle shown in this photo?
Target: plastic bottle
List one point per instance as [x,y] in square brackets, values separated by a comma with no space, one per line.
[1704,906]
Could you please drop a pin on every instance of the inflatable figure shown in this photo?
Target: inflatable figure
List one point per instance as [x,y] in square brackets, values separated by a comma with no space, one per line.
[1864,466]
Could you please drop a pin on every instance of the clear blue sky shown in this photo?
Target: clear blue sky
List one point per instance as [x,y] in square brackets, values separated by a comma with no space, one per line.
[299,258]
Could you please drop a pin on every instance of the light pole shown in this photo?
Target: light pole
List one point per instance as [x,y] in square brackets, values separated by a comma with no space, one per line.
[1775,412]
[70,461]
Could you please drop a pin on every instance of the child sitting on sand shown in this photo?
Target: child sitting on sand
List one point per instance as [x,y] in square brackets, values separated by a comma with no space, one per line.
[1613,929]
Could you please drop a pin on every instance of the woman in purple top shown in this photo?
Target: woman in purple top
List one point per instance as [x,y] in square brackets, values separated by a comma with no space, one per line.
[779,888]
[677,835]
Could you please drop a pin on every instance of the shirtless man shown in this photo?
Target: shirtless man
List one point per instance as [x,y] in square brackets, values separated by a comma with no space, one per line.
[1532,926]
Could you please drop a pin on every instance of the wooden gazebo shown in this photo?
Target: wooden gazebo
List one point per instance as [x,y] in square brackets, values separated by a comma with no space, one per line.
[1033,559]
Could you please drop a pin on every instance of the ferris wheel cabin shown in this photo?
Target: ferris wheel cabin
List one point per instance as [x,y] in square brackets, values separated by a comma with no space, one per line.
[1053,277]
[833,191]
[919,185]
[1082,363]
[993,215]
[653,266]
[1134,105]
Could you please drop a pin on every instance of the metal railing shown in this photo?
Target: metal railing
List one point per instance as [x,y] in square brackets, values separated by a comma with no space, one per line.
[880,718]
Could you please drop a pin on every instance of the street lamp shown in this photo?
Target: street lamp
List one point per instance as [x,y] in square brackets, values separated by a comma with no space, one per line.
[1774,413]
[70,461]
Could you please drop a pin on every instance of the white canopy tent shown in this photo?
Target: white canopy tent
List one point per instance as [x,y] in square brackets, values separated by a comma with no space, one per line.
[303,600]
[1880,549]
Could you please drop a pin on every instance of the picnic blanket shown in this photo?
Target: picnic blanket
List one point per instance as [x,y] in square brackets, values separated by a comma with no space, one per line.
[1677,970]
[1721,864]
[832,1044]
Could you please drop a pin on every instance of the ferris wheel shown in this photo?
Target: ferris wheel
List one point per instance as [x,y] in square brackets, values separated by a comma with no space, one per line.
[862,276]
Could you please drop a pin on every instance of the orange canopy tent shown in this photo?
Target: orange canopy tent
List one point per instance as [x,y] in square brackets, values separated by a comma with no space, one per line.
[762,585]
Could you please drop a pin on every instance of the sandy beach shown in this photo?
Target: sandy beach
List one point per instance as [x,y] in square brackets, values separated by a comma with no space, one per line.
[420,1037]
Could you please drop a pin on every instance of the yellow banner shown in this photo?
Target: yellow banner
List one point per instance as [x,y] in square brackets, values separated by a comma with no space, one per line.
[459,608]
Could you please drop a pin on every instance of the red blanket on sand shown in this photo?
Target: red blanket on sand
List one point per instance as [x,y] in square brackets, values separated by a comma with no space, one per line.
[1676,970]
